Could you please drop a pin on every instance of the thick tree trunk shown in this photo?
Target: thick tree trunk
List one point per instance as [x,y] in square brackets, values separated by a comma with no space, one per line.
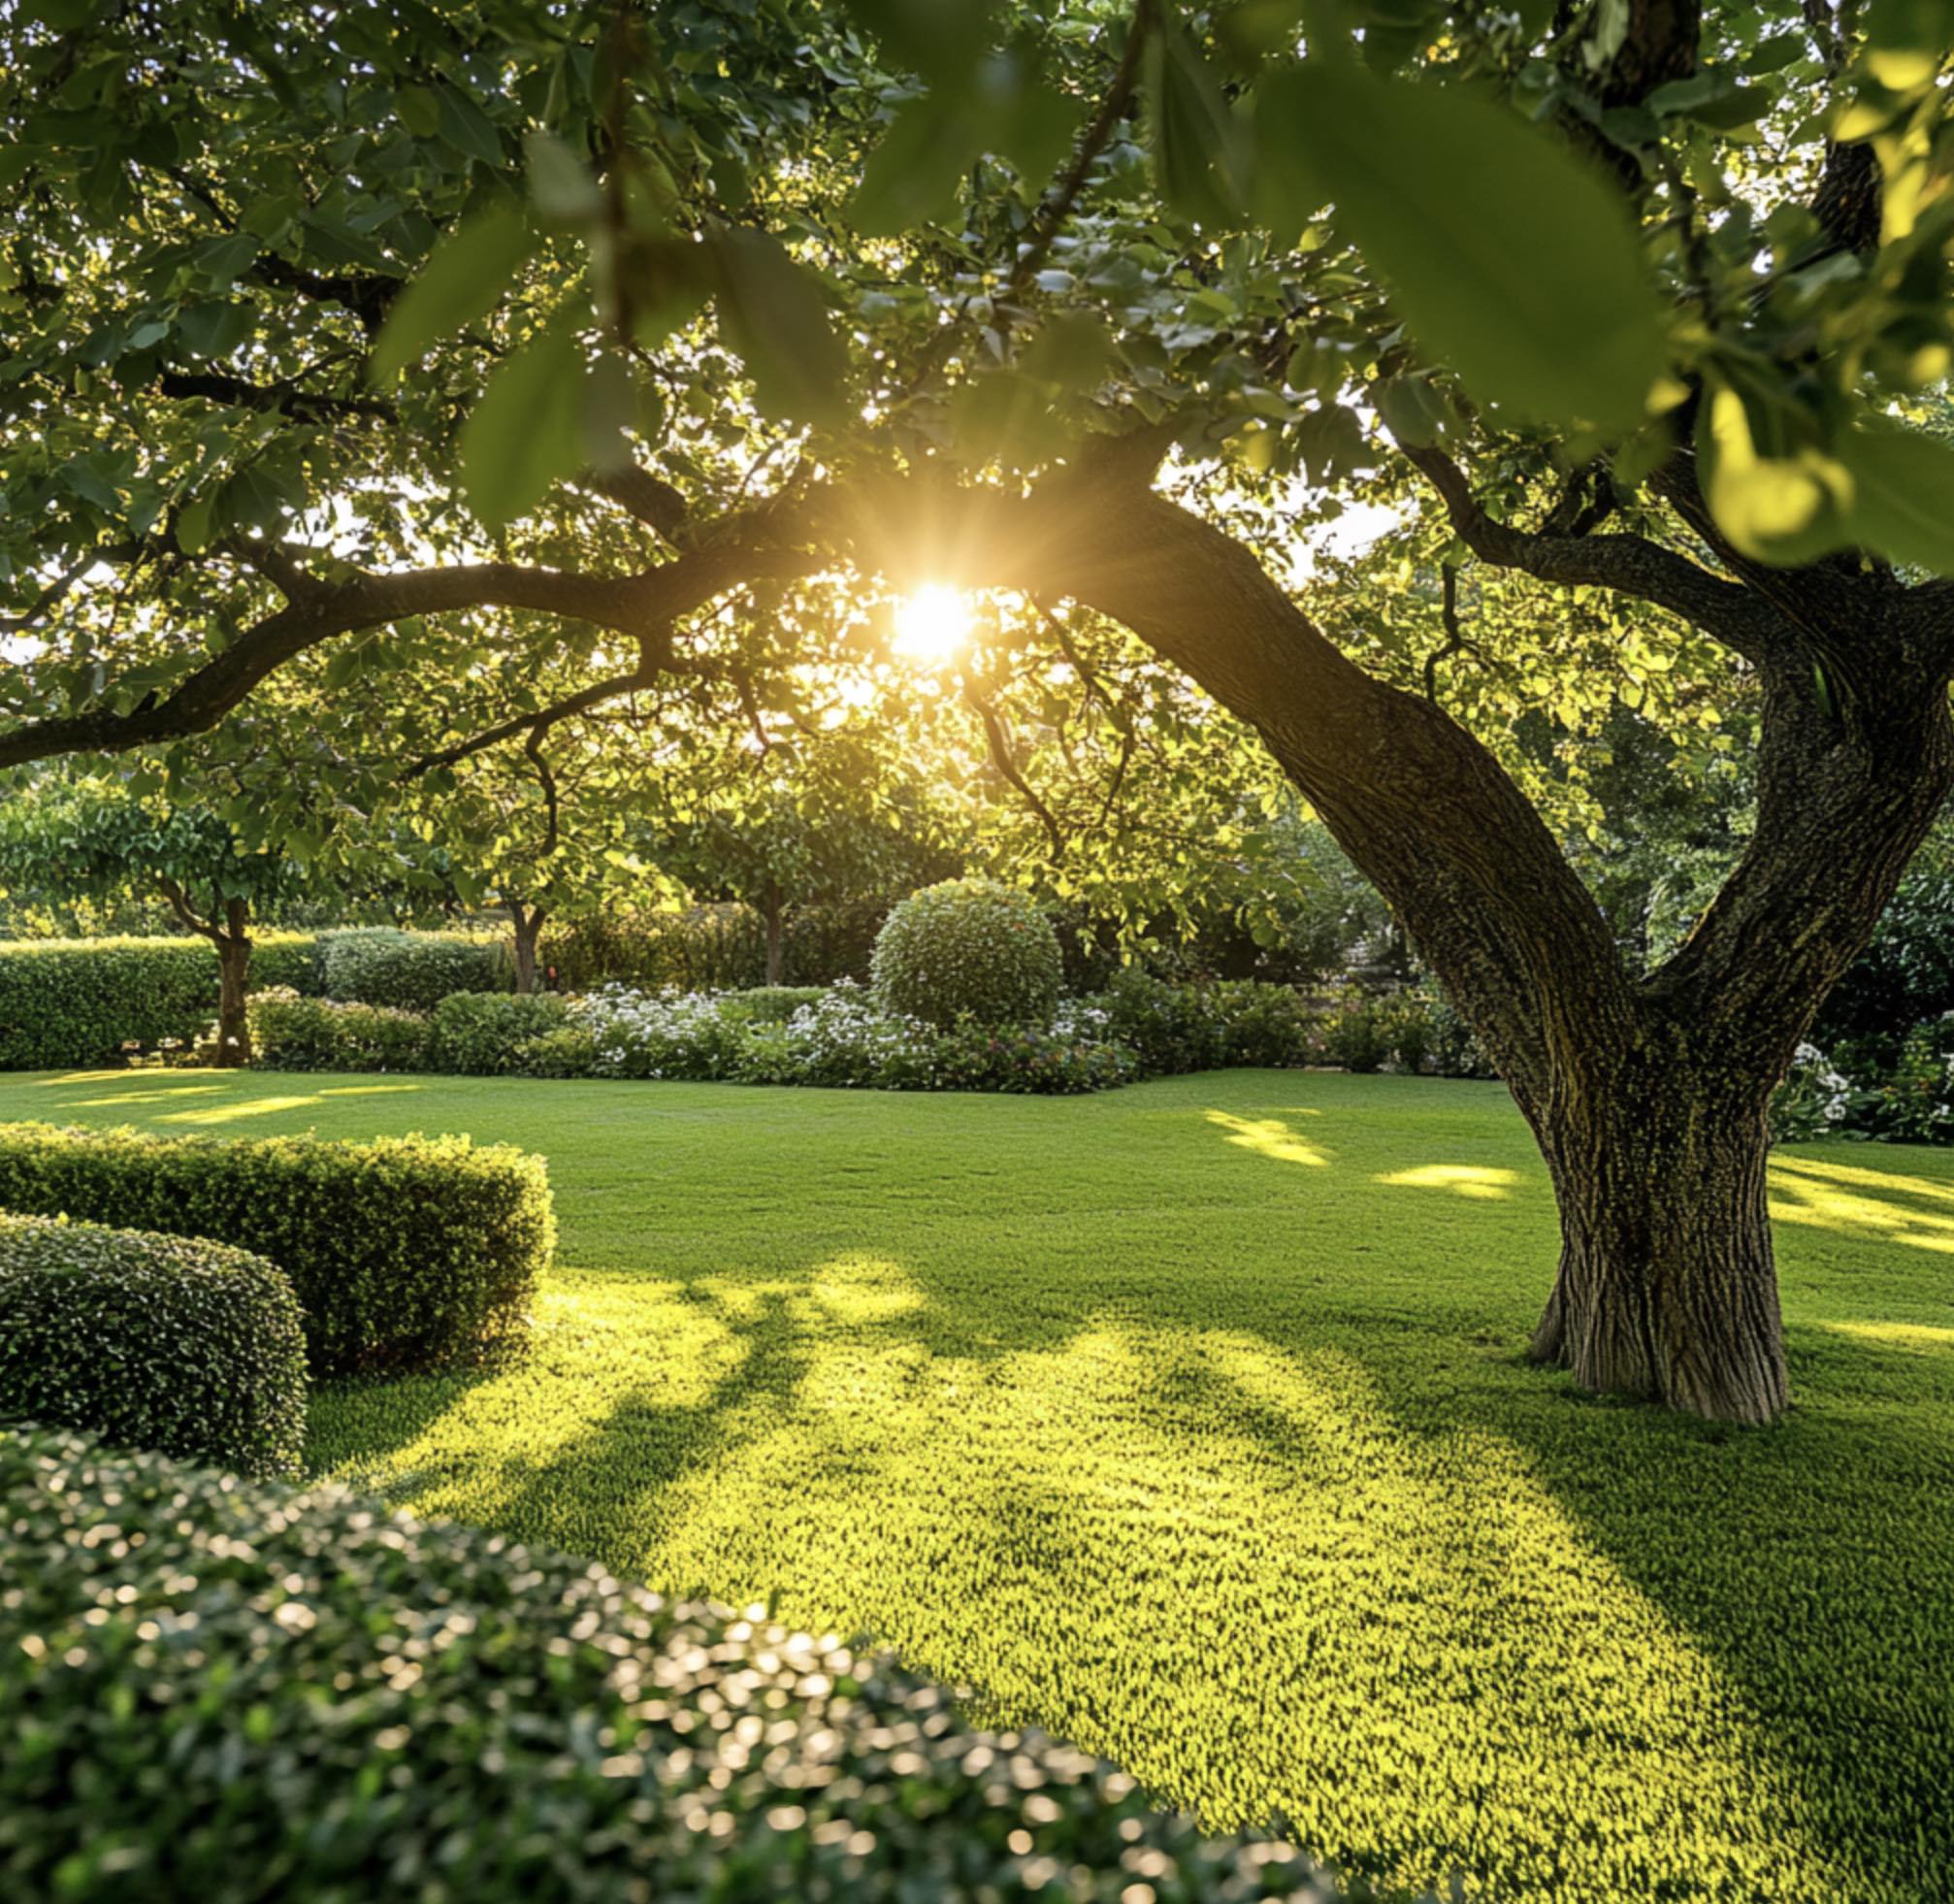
[1667,1287]
[234,975]
[528,923]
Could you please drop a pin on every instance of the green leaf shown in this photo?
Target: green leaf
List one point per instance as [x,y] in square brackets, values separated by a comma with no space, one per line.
[912,175]
[1902,495]
[193,523]
[463,280]
[1509,259]
[527,430]
[469,130]
[1073,349]
[775,317]
[420,110]
[559,187]
[1777,507]
[1198,151]
[943,40]
[1284,190]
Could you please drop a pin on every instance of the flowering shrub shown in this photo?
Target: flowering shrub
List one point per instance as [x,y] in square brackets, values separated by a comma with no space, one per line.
[1016,1058]
[1814,1100]
[843,1038]
[968,948]
[660,1035]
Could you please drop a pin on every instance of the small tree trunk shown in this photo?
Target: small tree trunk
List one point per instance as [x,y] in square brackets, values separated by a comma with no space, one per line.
[528,923]
[234,974]
[776,938]
[1667,1287]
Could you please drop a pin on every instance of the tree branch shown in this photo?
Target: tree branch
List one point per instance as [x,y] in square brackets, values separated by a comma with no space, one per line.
[309,406]
[1629,565]
[644,605]
[652,500]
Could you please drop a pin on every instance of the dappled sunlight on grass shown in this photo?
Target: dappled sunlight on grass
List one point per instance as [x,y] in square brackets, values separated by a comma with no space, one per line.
[232,1113]
[120,1075]
[1461,1179]
[1268,1136]
[1859,1201]
[164,1095]
[1921,1338]
[1235,1474]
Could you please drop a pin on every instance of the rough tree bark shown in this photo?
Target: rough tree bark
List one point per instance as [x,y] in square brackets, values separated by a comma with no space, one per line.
[1646,1093]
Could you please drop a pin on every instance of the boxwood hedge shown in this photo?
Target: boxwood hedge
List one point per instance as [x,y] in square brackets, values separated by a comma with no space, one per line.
[164,1342]
[410,971]
[230,1691]
[78,1001]
[294,1034]
[405,1252]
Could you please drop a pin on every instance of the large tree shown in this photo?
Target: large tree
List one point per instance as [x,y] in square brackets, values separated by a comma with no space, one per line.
[1101,303]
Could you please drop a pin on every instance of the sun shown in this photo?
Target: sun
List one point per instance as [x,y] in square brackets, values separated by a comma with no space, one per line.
[931,624]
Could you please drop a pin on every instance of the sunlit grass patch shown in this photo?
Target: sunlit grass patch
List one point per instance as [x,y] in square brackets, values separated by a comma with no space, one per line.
[1229,1469]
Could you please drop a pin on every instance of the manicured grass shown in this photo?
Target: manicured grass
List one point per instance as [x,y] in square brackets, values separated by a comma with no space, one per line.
[1190,1419]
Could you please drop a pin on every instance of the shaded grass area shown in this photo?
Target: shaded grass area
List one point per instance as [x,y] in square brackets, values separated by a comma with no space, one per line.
[1191,1421]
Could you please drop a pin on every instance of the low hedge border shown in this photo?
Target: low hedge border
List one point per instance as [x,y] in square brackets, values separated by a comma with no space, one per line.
[162,1342]
[405,1252]
[78,1002]
[252,1692]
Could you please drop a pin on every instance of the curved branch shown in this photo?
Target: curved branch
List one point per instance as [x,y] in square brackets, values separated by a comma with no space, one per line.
[643,605]
[1726,611]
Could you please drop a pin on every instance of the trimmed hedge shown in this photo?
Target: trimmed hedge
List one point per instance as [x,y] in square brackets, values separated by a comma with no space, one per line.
[409,972]
[163,1342]
[254,1691]
[483,1033]
[405,1252]
[969,948]
[291,1034]
[78,1001]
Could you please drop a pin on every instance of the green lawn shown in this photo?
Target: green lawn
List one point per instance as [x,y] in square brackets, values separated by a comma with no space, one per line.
[1191,1421]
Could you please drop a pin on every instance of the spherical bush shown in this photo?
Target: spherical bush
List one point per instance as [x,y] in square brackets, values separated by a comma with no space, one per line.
[968,947]
[161,1342]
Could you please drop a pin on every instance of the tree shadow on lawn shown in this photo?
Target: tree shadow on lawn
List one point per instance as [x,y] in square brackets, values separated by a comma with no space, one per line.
[1355,1564]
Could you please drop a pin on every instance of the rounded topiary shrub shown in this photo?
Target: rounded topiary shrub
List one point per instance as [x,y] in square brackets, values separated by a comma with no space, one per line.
[162,1342]
[968,947]
[346,1703]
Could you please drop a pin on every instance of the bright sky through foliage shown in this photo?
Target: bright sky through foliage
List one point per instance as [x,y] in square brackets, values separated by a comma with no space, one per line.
[931,624]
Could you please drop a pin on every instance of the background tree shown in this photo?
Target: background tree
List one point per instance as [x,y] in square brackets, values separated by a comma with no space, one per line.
[113,836]
[1608,316]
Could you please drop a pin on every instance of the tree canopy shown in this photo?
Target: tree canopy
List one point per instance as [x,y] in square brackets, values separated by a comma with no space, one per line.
[1422,384]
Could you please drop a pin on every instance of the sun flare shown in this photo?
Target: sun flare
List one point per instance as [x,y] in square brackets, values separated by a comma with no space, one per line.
[931,624]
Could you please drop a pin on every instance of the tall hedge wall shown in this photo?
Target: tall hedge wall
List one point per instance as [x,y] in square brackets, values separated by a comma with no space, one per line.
[75,1001]
[405,1252]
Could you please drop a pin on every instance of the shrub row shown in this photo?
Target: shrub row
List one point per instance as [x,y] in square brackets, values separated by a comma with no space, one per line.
[845,1036]
[78,1002]
[163,1342]
[1891,1089]
[403,1252]
[407,971]
[254,1691]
